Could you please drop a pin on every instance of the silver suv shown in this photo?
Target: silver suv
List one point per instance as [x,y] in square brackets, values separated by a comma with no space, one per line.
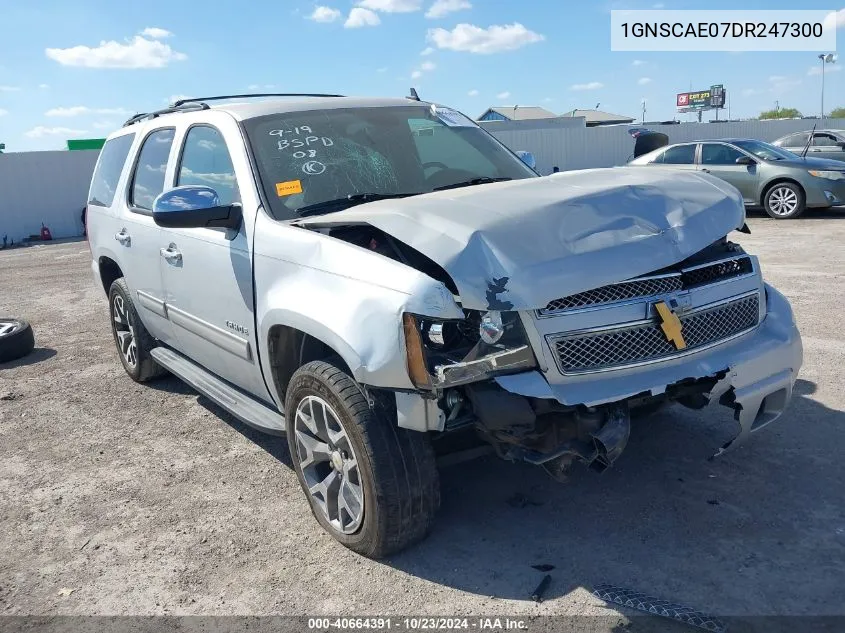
[371,276]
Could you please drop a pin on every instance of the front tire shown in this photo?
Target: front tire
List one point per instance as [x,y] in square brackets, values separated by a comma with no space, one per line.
[784,201]
[133,342]
[372,485]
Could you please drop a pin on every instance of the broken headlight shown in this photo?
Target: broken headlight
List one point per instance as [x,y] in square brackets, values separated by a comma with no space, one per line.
[483,344]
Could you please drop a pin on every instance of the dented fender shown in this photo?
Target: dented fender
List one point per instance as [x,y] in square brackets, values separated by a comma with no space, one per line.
[347,297]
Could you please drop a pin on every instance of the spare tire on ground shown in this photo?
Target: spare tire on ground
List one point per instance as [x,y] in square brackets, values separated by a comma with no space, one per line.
[16,339]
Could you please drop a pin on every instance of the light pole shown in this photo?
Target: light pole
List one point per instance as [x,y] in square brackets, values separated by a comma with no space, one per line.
[826,58]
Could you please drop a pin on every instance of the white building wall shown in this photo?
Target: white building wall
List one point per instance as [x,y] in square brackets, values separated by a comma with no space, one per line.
[582,148]
[44,187]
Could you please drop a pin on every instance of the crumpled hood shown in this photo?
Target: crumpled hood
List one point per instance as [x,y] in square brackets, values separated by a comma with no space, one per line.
[521,244]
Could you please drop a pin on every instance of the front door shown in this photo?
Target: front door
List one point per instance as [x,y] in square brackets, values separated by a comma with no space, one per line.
[827,145]
[720,160]
[208,271]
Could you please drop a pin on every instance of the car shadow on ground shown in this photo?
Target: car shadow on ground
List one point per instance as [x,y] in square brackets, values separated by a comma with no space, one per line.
[832,213]
[39,354]
[275,445]
[639,524]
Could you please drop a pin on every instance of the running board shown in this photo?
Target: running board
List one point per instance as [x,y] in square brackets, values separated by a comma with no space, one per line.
[244,407]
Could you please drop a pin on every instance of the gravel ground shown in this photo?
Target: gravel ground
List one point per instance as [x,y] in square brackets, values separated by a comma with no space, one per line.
[117,498]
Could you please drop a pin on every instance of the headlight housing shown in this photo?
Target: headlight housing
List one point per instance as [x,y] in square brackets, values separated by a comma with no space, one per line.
[829,175]
[483,344]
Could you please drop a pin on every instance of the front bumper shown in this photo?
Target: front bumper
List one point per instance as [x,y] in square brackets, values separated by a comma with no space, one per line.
[823,192]
[759,369]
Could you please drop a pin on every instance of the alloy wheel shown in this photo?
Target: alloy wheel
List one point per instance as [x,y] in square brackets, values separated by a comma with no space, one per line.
[328,464]
[783,201]
[124,332]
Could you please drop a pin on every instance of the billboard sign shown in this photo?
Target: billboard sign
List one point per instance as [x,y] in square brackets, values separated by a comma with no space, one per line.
[711,99]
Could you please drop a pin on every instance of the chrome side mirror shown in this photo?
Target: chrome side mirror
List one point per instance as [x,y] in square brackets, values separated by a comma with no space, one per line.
[195,206]
[527,158]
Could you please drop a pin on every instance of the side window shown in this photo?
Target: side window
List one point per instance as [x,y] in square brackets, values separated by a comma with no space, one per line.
[796,140]
[824,140]
[679,155]
[109,167]
[717,154]
[148,180]
[435,141]
[206,161]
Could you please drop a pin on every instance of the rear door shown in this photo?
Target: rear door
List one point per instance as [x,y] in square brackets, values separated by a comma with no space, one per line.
[794,143]
[138,238]
[719,159]
[680,157]
[827,145]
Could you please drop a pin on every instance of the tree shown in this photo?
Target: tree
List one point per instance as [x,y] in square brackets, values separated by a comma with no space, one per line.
[780,113]
[837,113]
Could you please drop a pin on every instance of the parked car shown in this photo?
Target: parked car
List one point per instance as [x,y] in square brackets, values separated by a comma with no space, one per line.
[370,276]
[781,182]
[826,144]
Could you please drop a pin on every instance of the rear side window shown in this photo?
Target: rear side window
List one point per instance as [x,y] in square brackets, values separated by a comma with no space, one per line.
[109,167]
[679,155]
[796,140]
[148,180]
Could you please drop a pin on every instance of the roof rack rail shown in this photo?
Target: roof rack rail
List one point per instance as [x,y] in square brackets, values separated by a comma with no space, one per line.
[251,96]
[188,107]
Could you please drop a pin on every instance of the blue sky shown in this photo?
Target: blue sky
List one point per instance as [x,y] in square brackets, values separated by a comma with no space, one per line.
[71,70]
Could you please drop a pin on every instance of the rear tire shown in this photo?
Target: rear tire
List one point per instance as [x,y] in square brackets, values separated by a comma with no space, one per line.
[16,339]
[133,342]
[394,469]
[784,201]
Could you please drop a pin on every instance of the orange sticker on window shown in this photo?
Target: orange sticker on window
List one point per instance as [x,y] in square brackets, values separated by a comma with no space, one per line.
[288,188]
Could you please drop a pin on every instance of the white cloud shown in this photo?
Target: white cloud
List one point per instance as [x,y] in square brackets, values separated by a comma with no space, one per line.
[41,132]
[9,89]
[474,39]
[637,62]
[473,93]
[359,17]
[325,14]
[156,33]
[427,51]
[3,112]
[593,85]
[81,110]
[43,86]
[139,52]
[445,7]
[416,74]
[392,6]
[103,125]
[428,66]
[829,68]
[835,19]
[503,95]
[642,81]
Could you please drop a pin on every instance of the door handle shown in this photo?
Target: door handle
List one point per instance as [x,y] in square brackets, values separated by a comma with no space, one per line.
[171,253]
[123,237]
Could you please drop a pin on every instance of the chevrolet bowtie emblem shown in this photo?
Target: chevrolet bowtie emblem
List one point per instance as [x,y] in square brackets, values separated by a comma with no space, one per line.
[671,325]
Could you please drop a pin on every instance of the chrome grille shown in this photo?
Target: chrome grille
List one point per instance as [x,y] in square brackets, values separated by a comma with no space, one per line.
[644,287]
[613,349]
[617,292]
[716,272]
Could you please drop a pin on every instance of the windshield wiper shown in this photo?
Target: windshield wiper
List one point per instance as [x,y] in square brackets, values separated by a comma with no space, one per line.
[351,200]
[469,183]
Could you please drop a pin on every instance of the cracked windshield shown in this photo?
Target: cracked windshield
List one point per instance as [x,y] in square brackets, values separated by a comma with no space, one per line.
[316,162]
